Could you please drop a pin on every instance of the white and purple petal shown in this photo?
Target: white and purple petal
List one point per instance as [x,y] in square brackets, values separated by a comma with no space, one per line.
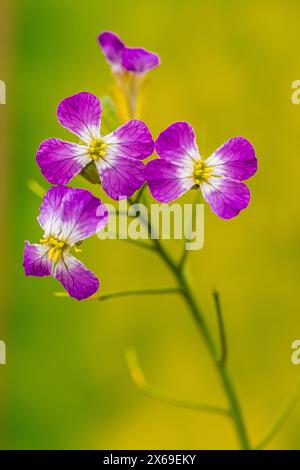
[81,114]
[36,261]
[226,197]
[50,211]
[60,161]
[234,159]
[177,143]
[75,277]
[132,140]
[112,47]
[139,60]
[82,215]
[121,176]
[167,181]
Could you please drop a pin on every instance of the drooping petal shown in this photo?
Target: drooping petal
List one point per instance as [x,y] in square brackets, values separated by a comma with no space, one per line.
[226,197]
[132,140]
[60,161]
[112,48]
[75,277]
[81,114]
[234,159]
[121,176]
[82,215]
[177,143]
[139,60]
[36,261]
[51,210]
[167,181]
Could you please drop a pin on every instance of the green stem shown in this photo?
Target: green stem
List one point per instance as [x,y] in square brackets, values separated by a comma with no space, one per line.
[224,375]
[128,293]
[282,416]
[223,354]
[156,394]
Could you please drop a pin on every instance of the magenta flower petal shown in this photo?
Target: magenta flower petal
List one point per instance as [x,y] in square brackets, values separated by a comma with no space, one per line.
[67,216]
[121,177]
[81,114]
[112,48]
[50,210]
[177,143]
[126,59]
[132,140]
[60,161]
[82,215]
[75,277]
[235,159]
[166,180]
[226,197]
[139,60]
[36,261]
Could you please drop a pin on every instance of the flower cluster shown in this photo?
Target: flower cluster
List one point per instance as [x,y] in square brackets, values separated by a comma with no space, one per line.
[68,215]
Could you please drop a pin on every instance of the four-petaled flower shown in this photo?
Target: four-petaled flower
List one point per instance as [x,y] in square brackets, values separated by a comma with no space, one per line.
[117,156]
[180,168]
[124,59]
[67,217]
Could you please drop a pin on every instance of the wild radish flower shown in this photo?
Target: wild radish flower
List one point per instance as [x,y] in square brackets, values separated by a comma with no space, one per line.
[67,217]
[117,156]
[123,59]
[180,168]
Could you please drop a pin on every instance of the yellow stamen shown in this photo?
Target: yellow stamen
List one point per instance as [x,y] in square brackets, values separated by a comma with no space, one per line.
[97,149]
[56,247]
[201,172]
[51,253]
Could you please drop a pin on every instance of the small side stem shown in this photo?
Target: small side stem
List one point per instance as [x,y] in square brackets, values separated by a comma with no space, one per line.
[156,394]
[223,354]
[186,292]
[282,416]
[224,375]
[127,293]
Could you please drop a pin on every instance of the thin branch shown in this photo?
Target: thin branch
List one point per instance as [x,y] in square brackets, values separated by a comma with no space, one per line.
[140,193]
[281,417]
[223,354]
[185,252]
[36,188]
[139,243]
[154,393]
[183,258]
[127,293]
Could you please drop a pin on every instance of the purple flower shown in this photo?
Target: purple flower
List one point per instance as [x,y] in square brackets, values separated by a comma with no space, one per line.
[180,168]
[126,59]
[117,156]
[67,217]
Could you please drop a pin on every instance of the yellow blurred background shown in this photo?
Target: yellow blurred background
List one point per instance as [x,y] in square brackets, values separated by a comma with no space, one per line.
[227,68]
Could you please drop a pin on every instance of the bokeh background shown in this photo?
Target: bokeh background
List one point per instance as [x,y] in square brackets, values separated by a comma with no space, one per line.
[227,67]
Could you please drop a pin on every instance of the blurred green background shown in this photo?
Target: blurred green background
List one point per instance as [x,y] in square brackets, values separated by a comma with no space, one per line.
[227,67]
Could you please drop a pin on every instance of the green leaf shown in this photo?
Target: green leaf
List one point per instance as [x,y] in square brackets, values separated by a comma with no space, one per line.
[90,173]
